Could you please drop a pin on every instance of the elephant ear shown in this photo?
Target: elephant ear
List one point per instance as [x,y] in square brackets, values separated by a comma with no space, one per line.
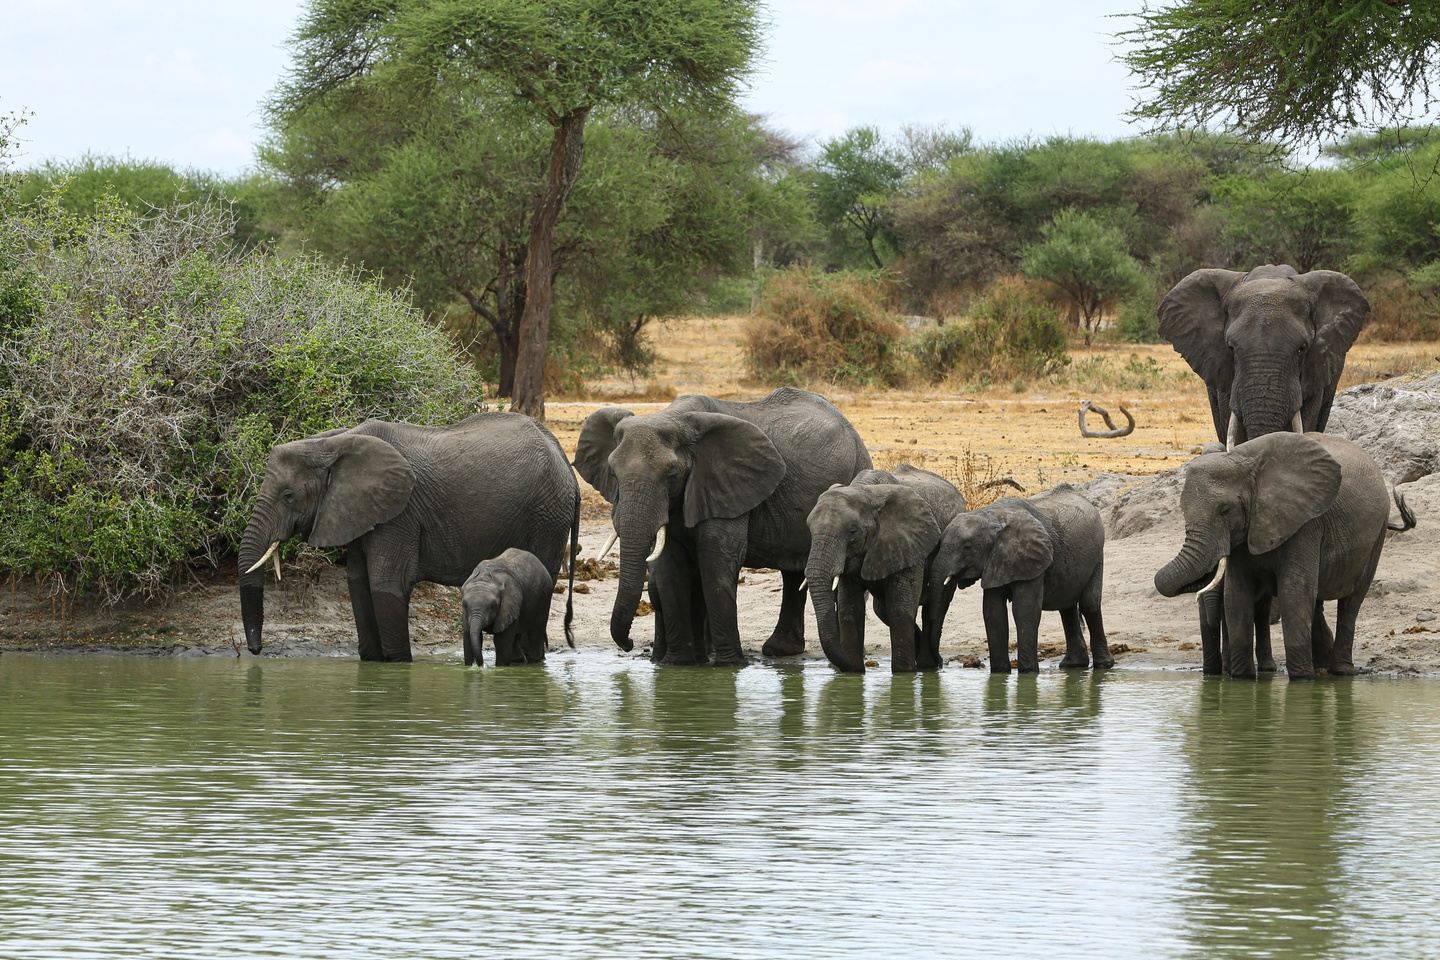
[735,467]
[509,610]
[905,533]
[1296,480]
[1340,313]
[1192,318]
[1021,551]
[369,482]
[592,453]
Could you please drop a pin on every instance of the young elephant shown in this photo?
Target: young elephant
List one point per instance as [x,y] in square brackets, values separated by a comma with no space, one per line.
[874,537]
[1297,518]
[508,596]
[1045,553]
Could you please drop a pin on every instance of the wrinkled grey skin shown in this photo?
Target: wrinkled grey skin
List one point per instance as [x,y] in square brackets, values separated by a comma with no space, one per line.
[1045,553]
[411,503]
[1302,520]
[1268,344]
[509,598]
[876,537]
[944,502]
[732,483]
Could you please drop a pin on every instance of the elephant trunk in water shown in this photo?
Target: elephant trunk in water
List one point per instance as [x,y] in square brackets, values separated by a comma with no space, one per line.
[260,534]
[826,562]
[1192,567]
[638,522]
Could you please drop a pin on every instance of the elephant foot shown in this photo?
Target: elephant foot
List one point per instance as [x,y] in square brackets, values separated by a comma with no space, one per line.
[731,660]
[1242,674]
[1028,668]
[1297,676]
[1268,665]
[682,658]
[1000,667]
[1344,670]
[783,645]
[1069,662]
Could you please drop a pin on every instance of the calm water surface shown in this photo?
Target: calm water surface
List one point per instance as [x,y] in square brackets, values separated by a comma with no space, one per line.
[600,808]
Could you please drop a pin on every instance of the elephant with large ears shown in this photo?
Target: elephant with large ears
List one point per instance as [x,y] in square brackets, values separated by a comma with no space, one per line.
[410,504]
[700,489]
[876,537]
[1045,553]
[1300,519]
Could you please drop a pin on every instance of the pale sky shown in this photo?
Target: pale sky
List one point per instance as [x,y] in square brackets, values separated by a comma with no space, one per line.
[181,81]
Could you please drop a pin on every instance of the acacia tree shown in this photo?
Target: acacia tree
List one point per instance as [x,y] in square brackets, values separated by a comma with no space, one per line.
[1298,73]
[558,59]
[856,173]
[1085,258]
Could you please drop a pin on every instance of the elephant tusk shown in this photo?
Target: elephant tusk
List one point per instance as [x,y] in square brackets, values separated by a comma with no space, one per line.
[268,553]
[1233,433]
[835,584]
[614,535]
[802,584]
[1296,424]
[659,546]
[278,578]
[1219,575]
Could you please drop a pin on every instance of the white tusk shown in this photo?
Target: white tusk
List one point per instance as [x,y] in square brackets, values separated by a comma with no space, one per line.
[1296,424]
[1219,575]
[659,546]
[802,584]
[614,535]
[261,562]
[834,584]
[278,578]
[1233,433]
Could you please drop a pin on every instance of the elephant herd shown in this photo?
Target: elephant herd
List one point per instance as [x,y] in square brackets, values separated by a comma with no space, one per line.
[1285,514]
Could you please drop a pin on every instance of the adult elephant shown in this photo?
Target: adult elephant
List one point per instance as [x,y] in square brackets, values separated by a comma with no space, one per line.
[411,503]
[704,487]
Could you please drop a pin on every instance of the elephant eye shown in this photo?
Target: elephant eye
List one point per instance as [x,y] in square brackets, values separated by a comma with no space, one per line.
[289,496]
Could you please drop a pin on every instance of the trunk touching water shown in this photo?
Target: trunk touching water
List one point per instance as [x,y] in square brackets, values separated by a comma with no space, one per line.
[1193,565]
[827,560]
[637,523]
[257,539]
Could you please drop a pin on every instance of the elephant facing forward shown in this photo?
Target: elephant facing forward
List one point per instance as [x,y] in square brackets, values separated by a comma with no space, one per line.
[703,487]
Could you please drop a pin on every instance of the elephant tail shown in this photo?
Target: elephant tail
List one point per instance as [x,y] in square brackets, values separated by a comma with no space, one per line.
[1407,519]
[574,553]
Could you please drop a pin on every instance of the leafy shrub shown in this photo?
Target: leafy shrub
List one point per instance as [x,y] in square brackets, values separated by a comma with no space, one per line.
[1138,321]
[1405,308]
[1012,332]
[154,370]
[827,327]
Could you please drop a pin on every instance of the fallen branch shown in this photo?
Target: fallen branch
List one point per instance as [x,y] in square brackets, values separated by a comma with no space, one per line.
[1112,430]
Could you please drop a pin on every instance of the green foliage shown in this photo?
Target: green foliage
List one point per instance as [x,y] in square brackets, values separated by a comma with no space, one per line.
[1303,218]
[1086,259]
[1137,320]
[1299,73]
[1013,331]
[853,176]
[830,328]
[156,367]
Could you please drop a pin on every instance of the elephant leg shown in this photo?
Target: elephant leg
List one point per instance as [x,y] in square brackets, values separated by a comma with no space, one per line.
[534,643]
[677,588]
[1212,624]
[1342,654]
[392,615]
[1094,622]
[1322,641]
[902,595]
[1025,602]
[357,576]
[507,647]
[1239,625]
[1296,589]
[788,640]
[1076,658]
[660,644]
[720,552]
[1264,655]
[997,629]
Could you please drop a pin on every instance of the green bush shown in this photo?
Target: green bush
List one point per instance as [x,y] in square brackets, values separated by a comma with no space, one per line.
[1138,321]
[1013,332]
[151,369]
[831,327]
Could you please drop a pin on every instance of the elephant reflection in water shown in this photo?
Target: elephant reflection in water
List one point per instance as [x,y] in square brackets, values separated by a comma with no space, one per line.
[1067,704]
[1267,803]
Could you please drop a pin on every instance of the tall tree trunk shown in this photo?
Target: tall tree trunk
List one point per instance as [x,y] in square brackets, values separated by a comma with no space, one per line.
[567,150]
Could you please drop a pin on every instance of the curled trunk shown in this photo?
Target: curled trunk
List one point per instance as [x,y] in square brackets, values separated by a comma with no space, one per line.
[1191,568]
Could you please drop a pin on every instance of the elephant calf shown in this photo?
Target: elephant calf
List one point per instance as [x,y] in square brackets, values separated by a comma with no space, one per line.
[1300,518]
[876,537]
[1045,553]
[509,597]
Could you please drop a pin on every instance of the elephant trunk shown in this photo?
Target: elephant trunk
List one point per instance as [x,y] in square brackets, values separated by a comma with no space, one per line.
[1191,568]
[474,640]
[638,524]
[1267,395]
[826,562]
[260,533]
[936,601]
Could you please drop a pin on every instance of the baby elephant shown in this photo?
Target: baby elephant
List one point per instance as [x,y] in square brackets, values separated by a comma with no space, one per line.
[874,537]
[1298,518]
[1045,553]
[508,596]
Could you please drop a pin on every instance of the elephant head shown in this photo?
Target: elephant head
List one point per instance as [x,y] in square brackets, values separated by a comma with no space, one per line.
[491,602]
[1258,494]
[996,545]
[331,489]
[1269,344]
[875,531]
[704,465]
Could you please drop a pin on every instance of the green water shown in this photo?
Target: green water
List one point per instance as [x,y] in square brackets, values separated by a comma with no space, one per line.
[599,807]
